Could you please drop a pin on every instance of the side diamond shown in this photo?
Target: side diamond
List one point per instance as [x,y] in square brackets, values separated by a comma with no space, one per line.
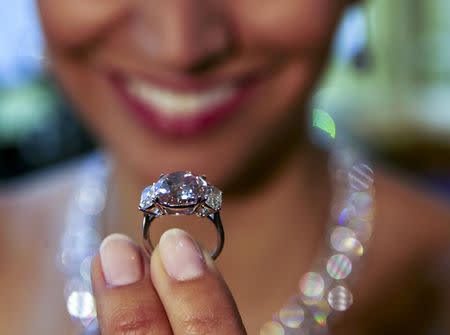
[214,198]
[147,198]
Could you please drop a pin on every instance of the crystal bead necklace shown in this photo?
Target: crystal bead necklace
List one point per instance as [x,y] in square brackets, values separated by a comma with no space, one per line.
[323,293]
[81,239]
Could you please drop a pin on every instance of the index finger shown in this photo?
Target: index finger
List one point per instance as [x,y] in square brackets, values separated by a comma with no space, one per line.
[127,302]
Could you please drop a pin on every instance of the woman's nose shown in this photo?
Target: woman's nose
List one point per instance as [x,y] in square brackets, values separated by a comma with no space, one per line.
[190,34]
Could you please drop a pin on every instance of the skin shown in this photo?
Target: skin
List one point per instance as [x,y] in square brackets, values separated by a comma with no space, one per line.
[166,305]
[286,40]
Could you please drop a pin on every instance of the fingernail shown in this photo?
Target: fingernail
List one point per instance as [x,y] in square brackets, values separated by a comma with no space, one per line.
[121,260]
[181,256]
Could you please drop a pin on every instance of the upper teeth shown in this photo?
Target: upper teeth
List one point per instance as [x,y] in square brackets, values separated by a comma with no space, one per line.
[173,103]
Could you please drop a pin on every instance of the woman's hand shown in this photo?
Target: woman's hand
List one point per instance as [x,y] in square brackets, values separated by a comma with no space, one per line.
[178,292]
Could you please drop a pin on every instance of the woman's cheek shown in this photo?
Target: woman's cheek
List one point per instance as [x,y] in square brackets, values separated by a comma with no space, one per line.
[283,23]
[287,24]
[70,24]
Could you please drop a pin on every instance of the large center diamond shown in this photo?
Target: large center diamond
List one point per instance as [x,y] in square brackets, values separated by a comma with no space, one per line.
[179,189]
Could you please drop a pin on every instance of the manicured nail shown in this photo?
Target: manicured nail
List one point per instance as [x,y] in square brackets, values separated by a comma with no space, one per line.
[121,260]
[181,256]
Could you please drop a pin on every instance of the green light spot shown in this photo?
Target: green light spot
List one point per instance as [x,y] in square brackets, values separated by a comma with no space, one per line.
[321,318]
[324,121]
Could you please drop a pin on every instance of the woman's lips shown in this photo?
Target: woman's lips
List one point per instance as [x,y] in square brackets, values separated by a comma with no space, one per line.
[181,110]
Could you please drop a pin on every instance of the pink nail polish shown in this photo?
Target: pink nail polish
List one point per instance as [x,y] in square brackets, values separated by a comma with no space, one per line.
[181,256]
[121,260]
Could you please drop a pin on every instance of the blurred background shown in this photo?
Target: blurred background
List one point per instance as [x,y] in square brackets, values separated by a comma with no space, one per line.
[37,128]
[388,56]
[388,85]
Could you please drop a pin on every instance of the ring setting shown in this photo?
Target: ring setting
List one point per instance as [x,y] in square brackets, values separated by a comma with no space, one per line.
[181,193]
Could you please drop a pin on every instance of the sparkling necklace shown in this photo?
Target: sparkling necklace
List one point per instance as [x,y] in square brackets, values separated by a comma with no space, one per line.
[324,292]
[81,239]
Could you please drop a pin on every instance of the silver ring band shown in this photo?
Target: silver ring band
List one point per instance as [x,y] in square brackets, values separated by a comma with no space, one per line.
[214,218]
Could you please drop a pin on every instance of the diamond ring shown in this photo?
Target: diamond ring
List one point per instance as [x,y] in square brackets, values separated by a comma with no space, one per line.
[181,193]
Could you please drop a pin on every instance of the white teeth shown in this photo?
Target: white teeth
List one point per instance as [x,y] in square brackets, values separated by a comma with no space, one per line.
[179,104]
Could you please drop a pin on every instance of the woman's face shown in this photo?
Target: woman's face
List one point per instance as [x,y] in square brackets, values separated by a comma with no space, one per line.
[200,85]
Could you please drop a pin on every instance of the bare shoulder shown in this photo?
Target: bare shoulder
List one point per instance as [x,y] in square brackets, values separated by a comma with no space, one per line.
[411,237]
[410,211]
[412,229]
[32,214]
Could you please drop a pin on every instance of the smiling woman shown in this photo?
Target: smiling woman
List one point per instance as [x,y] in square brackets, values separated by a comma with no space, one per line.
[134,66]
[219,88]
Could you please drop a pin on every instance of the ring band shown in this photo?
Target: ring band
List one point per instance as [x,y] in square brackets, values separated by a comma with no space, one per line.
[181,193]
[215,218]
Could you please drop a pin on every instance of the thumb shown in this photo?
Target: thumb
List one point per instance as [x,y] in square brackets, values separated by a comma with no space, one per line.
[193,292]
